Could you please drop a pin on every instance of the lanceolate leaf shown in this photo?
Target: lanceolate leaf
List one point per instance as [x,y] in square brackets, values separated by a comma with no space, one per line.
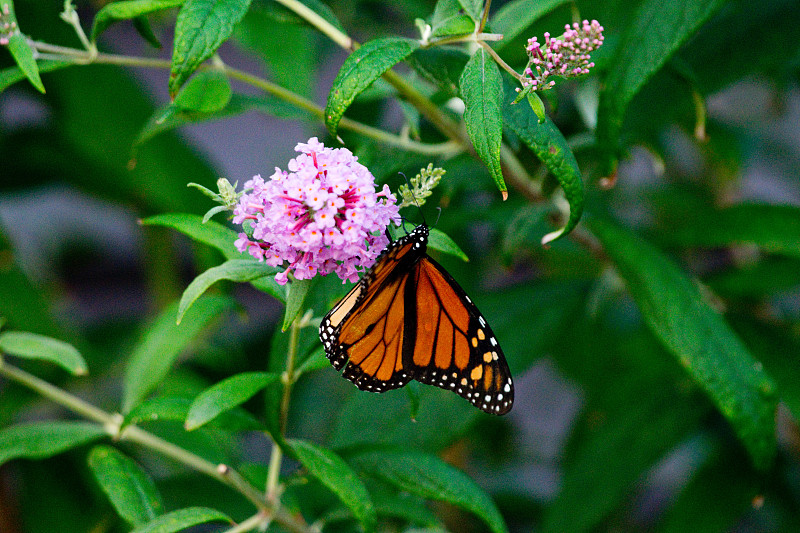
[34,346]
[449,19]
[335,474]
[217,236]
[23,55]
[658,30]
[130,490]
[12,75]
[239,270]
[441,241]
[161,345]
[676,311]
[39,440]
[360,70]
[202,26]
[482,91]
[298,290]
[550,146]
[176,408]
[473,8]
[206,92]
[226,395]
[428,476]
[182,519]
[211,233]
[131,9]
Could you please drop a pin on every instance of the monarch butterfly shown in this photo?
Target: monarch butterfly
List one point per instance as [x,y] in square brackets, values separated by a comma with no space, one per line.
[407,318]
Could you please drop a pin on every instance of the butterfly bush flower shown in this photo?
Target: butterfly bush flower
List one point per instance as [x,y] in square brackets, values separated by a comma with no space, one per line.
[566,56]
[323,215]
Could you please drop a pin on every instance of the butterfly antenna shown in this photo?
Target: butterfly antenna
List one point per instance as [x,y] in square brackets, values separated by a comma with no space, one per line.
[416,202]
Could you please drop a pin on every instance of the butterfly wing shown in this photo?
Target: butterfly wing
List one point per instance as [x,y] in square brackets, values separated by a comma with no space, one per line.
[364,333]
[453,346]
[407,318]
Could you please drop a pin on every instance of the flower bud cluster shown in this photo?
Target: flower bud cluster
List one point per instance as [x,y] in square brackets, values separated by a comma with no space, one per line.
[323,215]
[8,27]
[566,56]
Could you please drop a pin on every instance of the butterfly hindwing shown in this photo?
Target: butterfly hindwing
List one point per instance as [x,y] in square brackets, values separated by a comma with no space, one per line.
[407,318]
[455,348]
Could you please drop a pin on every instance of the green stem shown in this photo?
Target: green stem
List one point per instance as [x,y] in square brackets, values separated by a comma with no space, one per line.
[135,434]
[275,460]
[59,396]
[257,521]
[485,15]
[331,31]
[499,60]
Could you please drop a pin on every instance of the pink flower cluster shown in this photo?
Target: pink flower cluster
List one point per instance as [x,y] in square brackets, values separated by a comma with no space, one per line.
[566,56]
[321,216]
[8,28]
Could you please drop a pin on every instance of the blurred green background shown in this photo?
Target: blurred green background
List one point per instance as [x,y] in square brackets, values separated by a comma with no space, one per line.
[608,433]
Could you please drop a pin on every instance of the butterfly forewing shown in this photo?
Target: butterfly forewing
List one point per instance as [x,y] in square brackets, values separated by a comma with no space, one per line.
[407,319]
[364,332]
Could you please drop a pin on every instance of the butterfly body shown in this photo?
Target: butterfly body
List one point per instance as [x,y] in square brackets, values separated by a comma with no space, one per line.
[407,318]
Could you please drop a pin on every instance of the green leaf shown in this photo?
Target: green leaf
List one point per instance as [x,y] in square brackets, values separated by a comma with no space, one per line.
[205,92]
[473,8]
[211,233]
[183,519]
[176,408]
[12,75]
[202,26]
[23,56]
[298,290]
[657,31]
[162,343]
[335,474]
[449,19]
[226,395]
[39,440]
[238,270]
[774,228]
[34,346]
[550,146]
[514,17]
[132,9]
[676,311]
[428,476]
[217,236]
[130,490]
[159,408]
[439,240]
[482,91]
[360,70]
[143,28]
[441,66]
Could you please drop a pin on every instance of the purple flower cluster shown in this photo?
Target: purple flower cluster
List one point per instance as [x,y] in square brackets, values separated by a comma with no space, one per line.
[323,215]
[8,28]
[566,56]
